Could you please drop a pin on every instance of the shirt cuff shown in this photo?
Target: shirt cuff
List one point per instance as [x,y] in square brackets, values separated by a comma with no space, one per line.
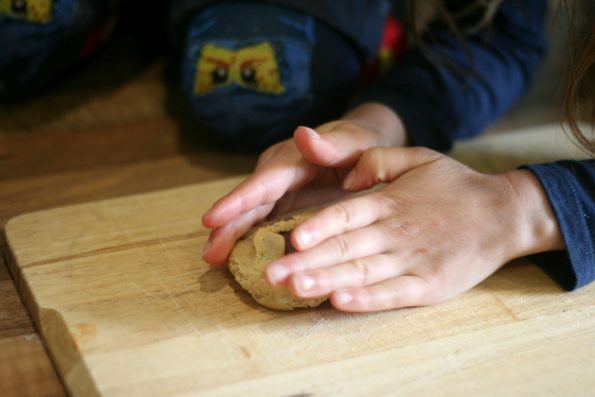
[569,188]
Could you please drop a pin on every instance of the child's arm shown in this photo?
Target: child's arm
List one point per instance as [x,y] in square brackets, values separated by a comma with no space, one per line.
[570,188]
[466,83]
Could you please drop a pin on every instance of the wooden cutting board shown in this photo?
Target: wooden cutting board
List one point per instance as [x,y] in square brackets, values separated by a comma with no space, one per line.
[127,308]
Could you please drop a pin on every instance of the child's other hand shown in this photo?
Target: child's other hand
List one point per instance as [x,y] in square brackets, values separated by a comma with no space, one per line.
[437,229]
[298,172]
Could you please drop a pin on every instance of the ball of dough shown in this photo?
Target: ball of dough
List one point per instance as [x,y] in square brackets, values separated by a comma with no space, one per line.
[259,247]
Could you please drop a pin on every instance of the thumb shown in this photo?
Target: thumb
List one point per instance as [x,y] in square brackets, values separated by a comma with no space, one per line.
[334,144]
[384,165]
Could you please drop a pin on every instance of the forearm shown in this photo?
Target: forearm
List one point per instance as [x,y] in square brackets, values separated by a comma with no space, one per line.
[463,85]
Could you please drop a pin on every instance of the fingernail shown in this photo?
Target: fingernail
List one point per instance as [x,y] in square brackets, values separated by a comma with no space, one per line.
[313,134]
[277,272]
[303,238]
[342,297]
[306,283]
[349,179]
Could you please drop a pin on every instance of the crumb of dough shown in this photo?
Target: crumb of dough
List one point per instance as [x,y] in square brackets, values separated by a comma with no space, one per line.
[259,247]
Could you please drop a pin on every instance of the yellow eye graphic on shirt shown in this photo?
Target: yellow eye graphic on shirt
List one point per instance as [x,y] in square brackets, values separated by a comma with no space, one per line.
[254,67]
[37,11]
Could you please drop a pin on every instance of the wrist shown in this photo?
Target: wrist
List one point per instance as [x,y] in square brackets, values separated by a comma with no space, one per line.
[538,229]
[381,119]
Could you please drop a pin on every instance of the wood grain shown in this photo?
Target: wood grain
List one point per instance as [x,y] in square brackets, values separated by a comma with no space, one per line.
[113,128]
[25,369]
[127,307]
[110,129]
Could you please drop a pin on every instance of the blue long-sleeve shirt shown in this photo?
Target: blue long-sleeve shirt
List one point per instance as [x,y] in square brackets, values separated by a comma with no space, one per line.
[454,89]
[570,188]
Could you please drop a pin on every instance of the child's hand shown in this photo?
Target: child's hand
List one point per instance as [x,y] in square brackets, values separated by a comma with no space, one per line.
[438,229]
[316,159]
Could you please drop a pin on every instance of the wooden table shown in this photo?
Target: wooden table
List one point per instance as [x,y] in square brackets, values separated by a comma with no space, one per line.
[111,130]
[107,132]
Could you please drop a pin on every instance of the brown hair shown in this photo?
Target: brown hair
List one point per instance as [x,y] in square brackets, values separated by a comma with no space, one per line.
[580,92]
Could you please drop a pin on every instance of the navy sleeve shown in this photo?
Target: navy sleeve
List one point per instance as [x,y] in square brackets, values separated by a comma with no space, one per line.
[570,188]
[466,85]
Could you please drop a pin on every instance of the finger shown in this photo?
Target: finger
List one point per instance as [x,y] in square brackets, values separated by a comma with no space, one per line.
[357,273]
[222,240]
[263,187]
[338,219]
[383,165]
[284,168]
[398,292]
[334,144]
[307,197]
[273,151]
[337,249]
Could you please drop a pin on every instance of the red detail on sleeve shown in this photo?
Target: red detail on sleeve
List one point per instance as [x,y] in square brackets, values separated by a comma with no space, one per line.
[97,37]
[392,45]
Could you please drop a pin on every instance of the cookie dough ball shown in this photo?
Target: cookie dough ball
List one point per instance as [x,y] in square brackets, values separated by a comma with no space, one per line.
[259,247]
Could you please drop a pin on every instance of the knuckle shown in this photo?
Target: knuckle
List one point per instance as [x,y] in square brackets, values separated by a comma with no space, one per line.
[362,269]
[409,296]
[406,229]
[373,155]
[390,204]
[401,230]
[343,213]
[265,194]
[435,291]
[424,152]
[340,246]
[375,152]
[268,154]
[376,161]
[398,299]
[295,263]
